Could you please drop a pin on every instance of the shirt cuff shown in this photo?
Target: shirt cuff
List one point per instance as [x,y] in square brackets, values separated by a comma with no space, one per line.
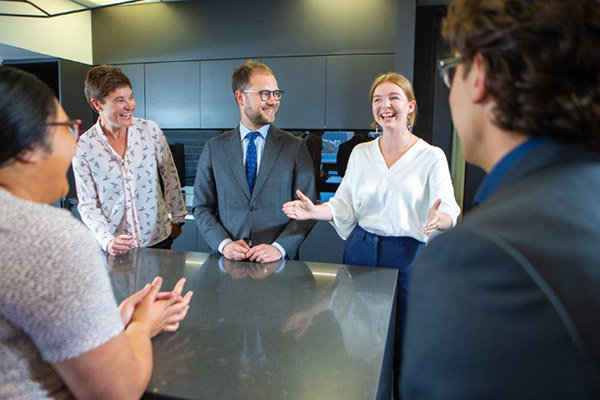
[223,244]
[281,250]
[105,241]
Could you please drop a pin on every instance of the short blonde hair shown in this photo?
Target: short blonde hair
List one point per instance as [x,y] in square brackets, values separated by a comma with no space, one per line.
[406,87]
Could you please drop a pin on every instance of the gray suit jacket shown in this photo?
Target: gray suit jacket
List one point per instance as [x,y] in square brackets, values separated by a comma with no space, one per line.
[507,304]
[223,206]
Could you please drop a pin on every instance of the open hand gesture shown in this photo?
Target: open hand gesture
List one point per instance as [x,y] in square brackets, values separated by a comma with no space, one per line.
[433,218]
[302,209]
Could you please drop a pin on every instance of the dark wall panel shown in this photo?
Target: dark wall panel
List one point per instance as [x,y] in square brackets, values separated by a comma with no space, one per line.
[349,80]
[135,72]
[219,108]
[303,79]
[173,94]
[240,29]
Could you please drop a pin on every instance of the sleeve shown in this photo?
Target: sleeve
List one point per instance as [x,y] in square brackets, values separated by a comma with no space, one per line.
[476,320]
[295,232]
[341,204]
[440,186]
[89,206]
[64,302]
[166,167]
[206,207]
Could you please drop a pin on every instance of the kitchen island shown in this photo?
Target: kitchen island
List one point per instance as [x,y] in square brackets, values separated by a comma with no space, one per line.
[285,330]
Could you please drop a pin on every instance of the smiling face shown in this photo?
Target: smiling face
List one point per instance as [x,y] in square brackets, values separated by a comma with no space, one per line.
[116,111]
[255,112]
[391,107]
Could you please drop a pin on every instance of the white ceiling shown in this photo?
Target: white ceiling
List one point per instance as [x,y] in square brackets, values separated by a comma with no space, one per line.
[49,8]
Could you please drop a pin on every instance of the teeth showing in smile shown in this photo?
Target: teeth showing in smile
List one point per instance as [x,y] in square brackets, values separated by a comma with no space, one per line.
[386,116]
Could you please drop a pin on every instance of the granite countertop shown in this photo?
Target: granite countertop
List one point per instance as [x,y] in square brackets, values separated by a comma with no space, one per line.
[298,330]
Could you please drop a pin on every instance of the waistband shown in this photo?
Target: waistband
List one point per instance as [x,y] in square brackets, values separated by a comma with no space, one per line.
[371,237]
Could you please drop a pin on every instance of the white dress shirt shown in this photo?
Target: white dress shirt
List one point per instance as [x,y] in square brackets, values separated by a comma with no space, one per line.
[122,195]
[260,140]
[393,201]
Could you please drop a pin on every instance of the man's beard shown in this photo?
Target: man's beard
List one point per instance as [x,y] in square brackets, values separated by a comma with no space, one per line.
[256,117]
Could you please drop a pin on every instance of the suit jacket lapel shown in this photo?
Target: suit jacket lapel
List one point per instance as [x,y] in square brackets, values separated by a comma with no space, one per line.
[233,156]
[269,156]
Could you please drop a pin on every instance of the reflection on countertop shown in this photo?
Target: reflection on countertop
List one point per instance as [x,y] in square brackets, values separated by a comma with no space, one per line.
[293,330]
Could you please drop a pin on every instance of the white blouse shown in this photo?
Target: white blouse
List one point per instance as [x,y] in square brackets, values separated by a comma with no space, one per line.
[394,201]
[123,195]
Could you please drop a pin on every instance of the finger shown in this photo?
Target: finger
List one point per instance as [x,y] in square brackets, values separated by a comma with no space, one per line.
[186,299]
[242,245]
[179,286]
[165,295]
[436,205]
[119,246]
[254,257]
[254,250]
[154,289]
[171,328]
[141,293]
[301,195]
[241,255]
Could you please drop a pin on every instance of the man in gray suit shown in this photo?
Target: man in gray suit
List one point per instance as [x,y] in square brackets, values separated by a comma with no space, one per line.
[246,174]
[507,305]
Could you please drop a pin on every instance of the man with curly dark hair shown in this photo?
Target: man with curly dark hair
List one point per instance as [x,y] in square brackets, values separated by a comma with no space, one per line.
[507,305]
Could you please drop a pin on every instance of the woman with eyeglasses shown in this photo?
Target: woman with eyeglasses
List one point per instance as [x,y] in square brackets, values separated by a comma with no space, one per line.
[396,192]
[118,166]
[61,331]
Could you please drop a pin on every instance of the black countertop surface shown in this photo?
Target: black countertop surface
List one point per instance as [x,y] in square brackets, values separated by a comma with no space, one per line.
[298,330]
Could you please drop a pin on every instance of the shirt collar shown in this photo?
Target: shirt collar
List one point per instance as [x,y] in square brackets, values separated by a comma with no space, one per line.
[491,181]
[263,131]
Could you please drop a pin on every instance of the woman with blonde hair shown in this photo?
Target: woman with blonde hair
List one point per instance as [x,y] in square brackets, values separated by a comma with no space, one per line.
[396,192]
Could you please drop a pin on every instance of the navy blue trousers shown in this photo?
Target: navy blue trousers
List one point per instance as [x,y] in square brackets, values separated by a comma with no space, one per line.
[367,249]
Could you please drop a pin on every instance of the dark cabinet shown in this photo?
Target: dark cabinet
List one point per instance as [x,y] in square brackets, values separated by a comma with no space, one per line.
[303,80]
[329,92]
[219,107]
[349,80]
[173,94]
[135,72]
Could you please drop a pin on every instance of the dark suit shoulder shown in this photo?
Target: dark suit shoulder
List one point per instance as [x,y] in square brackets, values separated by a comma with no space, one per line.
[225,136]
[473,324]
[285,135]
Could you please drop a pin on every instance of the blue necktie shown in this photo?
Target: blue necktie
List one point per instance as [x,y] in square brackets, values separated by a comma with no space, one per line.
[251,160]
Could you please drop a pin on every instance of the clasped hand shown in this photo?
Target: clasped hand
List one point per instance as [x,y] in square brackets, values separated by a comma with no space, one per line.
[157,311]
[240,250]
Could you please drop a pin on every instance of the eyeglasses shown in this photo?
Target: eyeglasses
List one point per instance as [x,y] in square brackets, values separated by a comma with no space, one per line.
[265,95]
[447,68]
[73,124]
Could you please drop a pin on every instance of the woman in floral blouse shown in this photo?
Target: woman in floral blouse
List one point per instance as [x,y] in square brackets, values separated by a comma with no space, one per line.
[117,167]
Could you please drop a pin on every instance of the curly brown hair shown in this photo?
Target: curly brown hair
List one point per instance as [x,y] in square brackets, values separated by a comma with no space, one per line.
[241,75]
[542,62]
[101,80]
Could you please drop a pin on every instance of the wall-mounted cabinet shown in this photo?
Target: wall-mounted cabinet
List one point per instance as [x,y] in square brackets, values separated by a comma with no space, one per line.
[173,94]
[219,108]
[303,80]
[135,72]
[349,79]
[330,92]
